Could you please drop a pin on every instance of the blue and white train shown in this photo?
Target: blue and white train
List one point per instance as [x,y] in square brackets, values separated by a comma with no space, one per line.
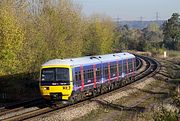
[76,78]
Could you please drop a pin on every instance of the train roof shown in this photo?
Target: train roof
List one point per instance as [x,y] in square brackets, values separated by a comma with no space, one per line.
[87,60]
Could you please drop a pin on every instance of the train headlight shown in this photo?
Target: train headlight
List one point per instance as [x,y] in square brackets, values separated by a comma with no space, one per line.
[46,88]
[66,87]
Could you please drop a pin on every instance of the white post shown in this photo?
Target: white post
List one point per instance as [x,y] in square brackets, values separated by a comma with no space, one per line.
[165,54]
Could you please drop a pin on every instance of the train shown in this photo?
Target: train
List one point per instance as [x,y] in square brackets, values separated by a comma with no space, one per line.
[74,79]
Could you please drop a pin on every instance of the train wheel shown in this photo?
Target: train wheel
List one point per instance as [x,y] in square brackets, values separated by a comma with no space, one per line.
[95,92]
[103,89]
[133,79]
[120,84]
[73,100]
[99,90]
[117,84]
[112,87]
[127,81]
[130,79]
[109,87]
[79,97]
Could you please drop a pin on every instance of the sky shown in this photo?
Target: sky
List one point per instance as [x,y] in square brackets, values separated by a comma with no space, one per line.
[131,9]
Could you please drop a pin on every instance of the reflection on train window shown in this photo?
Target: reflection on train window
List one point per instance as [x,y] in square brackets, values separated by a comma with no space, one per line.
[105,69]
[98,73]
[113,70]
[62,74]
[48,74]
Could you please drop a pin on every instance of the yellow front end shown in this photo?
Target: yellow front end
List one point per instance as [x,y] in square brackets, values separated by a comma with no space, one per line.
[54,90]
[64,90]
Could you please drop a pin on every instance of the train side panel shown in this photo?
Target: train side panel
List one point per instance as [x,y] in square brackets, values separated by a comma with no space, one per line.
[125,69]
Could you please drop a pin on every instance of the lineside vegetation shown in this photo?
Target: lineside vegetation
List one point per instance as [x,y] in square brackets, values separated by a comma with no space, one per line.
[34,31]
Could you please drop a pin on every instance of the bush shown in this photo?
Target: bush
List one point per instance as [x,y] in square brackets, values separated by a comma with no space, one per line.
[165,115]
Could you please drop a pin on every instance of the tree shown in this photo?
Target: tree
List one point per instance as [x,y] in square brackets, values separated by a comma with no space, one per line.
[105,31]
[63,29]
[52,31]
[153,27]
[152,36]
[91,40]
[122,36]
[171,31]
[11,38]
[99,36]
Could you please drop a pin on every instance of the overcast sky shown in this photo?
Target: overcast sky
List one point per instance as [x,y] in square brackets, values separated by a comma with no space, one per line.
[131,9]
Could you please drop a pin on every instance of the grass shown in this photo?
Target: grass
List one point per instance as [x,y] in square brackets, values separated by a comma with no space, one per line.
[171,53]
[105,111]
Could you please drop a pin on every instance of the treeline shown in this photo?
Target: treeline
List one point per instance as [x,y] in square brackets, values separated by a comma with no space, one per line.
[153,38]
[147,39]
[34,31]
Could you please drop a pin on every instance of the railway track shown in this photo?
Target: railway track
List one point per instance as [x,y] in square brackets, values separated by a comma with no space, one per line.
[18,105]
[151,67]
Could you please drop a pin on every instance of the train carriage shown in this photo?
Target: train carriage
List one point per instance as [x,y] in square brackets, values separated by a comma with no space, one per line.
[77,78]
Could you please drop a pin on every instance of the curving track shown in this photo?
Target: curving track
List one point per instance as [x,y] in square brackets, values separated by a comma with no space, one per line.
[146,67]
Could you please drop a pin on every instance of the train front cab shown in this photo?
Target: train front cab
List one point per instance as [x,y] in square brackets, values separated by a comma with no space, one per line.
[56,82]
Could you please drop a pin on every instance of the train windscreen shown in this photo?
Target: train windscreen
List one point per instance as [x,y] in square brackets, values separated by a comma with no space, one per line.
[55,75]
